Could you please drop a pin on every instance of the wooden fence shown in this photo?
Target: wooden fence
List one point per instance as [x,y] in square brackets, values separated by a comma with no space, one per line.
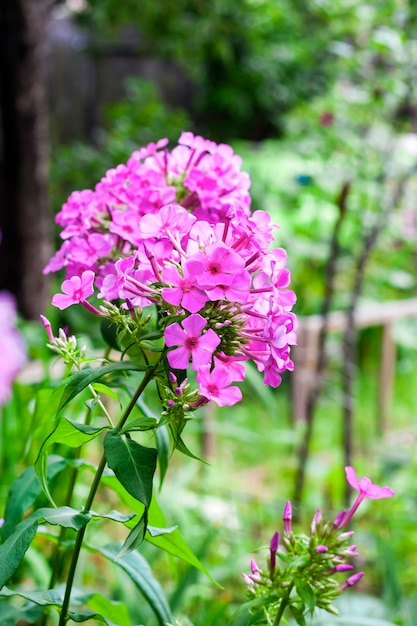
[306,352]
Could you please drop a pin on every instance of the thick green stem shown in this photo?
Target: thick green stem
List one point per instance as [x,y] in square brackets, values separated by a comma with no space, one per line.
[283,606]
[80,535]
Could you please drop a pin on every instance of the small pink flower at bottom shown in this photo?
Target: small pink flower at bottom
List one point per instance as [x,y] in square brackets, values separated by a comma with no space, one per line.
[366,489]
[214,385]
[76,289]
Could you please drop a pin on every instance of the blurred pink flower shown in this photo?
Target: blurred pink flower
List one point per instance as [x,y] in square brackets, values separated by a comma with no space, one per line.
[12,347]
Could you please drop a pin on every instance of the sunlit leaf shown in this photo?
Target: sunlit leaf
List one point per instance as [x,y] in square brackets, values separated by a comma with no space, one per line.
[115,611]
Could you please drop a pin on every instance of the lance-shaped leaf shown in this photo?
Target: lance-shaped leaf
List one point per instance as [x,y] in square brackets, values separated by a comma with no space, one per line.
[134,466]
[14,548]
[24,492]
[81,380]
[72,434]
[139,571]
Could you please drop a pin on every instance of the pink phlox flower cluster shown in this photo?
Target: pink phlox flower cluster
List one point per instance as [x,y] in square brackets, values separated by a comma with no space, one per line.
[231,292]
[201,257]
[12,347]
[100,225]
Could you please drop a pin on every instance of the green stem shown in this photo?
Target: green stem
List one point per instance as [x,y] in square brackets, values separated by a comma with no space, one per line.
[283,606]
[80,535]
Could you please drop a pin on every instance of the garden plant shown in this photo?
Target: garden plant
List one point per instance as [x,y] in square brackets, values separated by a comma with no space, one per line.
[188,289]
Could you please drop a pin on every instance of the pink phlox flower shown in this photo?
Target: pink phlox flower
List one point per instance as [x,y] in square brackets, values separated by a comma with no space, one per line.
[233,364]
[202,235]
[126,225]
[150,149]
[88,250]
[191,341]
[221,264]
[136,286]
[215,385]
[171,219]
[76,290]
[235,289]
[113,282]
[366,489]
[59,260]
[183,289]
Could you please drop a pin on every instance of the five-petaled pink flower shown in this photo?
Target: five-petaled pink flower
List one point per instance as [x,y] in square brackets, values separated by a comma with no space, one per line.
[366,489]
[76,289]
[214,385]
[191,342]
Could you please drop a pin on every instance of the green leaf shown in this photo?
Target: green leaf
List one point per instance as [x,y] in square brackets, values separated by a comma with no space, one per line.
[14,548]
[162,445]
[142,423]
[242,616]
[81,380]
[136,536]
[10,614]
[139,571]
[115,611]
[181,447]
[133,464]
[106,390]
[50,597]
[86,615]
[306,593]
[114,515]
[173,543]
[64,516]
[24,492]
[155,532]
[72,434]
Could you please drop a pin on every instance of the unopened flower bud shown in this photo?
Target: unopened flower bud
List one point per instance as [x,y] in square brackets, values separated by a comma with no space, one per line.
[321,549]
[315,521]
[172,378]
[342,567]
[47,325]
[287,517]
[338,519]
[350,582]
[273,547]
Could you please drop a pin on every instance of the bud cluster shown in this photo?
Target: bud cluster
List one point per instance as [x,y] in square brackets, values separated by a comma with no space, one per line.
[302,570]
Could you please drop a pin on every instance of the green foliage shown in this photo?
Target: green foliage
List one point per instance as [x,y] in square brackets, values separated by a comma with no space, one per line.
[126,125]
[248,62]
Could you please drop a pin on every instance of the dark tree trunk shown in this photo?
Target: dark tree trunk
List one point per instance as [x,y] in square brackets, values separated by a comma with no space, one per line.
[24,210]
